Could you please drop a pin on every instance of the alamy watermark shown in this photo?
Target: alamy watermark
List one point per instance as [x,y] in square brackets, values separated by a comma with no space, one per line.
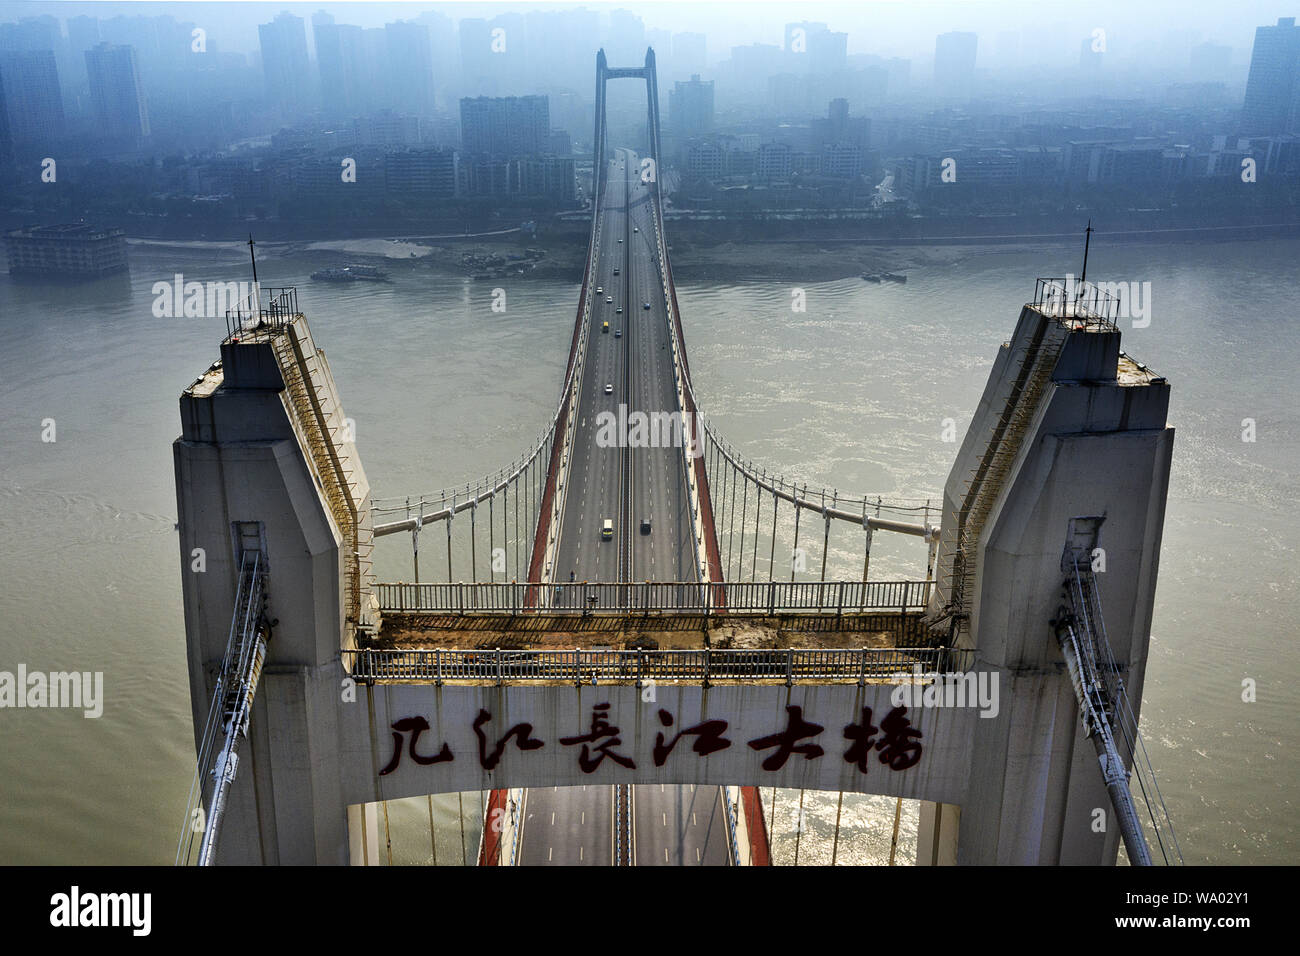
[977,689]
[648,430]
[1132,299]
[77,909]
[177,298]
[76,690]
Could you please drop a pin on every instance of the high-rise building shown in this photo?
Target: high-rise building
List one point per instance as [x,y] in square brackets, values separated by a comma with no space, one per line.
[442,42]
[430,173]
[340,58]
[625,42]
[562,45]
[115,91]
[1270,107]
[30,34]
[690,107]
[476,54]
[841,160]
[284,61]
[31,81]
[774,161]
[840,129]
[83,34]
[705,161]
[752,65]
[814,48]
[505,127]
[954,62]
[796,35]
[6,140]
[386,128]
[410,65]
[376,78]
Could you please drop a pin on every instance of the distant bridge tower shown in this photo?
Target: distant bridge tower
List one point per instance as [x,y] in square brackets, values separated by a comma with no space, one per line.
[605,73]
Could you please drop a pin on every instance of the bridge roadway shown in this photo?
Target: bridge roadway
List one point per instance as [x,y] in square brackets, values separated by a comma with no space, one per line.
[626,485]
[671,825]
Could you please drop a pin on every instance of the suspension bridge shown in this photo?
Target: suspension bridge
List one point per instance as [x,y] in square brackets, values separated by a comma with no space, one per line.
[623,634]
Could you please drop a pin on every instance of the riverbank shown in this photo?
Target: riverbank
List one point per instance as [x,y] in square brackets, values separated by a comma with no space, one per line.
[702,255]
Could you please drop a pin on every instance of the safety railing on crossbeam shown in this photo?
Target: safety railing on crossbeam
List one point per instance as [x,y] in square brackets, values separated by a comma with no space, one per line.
[705,665]
[753,597]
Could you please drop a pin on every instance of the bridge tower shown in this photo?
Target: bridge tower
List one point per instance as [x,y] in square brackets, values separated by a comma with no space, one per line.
[1068,426]
[266,464]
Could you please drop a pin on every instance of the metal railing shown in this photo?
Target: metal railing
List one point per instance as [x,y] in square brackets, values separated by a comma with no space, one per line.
[732,827]
[584,666]
[622,825]
[1082,303]
[280,308]
[581,597]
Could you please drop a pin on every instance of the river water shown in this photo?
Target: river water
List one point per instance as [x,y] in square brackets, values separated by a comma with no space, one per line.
[850,394]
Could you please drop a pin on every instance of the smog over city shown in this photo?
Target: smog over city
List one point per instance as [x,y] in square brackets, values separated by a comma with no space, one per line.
[775,434]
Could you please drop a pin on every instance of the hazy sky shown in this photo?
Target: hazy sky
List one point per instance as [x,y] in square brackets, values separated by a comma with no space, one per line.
[886,27]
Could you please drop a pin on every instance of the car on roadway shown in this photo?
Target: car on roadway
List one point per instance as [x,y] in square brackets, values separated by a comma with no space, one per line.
[609,299]
[646,306]
[609,389]
[636,228]
[615,271]
[620,240]
[645,525]
[619,310]
[607,529]
[618,333]
[600,290]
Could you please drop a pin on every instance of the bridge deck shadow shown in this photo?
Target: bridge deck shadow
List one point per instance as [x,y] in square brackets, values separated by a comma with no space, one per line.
[636,630]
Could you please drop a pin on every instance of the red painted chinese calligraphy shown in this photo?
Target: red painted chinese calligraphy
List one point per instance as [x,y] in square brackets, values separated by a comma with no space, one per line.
[523,734]
[796,729]
[602,730]
[708,736]
[415,726]
[898,746]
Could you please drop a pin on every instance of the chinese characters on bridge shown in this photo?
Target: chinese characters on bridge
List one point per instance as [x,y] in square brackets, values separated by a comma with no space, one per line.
[896,743]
